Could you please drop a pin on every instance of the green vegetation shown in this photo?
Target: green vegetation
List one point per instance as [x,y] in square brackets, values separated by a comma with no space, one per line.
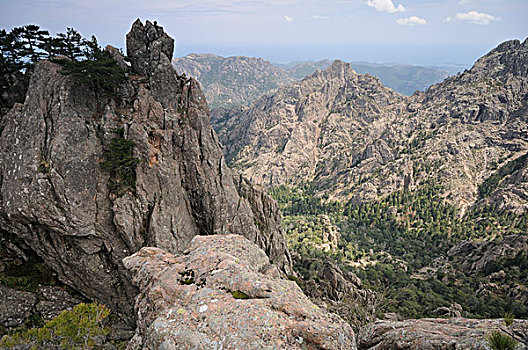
[81,328]
[500,341]
[22,47]
[492,182]
[387,242]
[239,295]
[121,163]
[101,74]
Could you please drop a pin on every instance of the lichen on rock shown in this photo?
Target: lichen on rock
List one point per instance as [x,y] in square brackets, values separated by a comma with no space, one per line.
[238,301]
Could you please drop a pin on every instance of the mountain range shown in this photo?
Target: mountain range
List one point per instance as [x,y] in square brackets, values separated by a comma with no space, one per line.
[238,80]
[352,138]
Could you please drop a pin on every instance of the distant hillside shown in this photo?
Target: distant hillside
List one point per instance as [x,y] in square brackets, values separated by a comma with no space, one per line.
[402,78]
[232,81]
[238,80]
[351,137]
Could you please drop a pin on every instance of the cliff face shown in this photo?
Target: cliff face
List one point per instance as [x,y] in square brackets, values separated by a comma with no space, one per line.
[354,139]
[309,129]
[56,197]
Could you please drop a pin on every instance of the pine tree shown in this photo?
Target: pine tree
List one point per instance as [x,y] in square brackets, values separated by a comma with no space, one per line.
[33,39]
[70,44]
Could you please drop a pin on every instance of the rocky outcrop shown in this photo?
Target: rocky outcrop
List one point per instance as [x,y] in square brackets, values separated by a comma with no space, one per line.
[15,306]
[224,293]
[353,139]
[430,334]
[57,198]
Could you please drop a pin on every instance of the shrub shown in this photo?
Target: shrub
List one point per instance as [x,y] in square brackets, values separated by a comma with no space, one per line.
[499,341]
[120,162]
[81,328]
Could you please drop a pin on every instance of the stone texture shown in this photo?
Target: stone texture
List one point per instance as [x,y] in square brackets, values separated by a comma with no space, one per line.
[53,300]
[15,306]
[223,293]
[55,196]
[429,334]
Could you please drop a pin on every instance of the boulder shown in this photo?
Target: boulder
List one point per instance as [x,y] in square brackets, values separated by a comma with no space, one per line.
[223,293]
[429,334]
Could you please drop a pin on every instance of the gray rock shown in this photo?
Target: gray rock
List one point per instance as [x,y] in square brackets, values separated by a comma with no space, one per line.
[429,334]
[15,306]
[53,300]
[55,196]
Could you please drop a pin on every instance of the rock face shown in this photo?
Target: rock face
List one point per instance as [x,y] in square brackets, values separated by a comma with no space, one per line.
[429,334]
[56,197]
[15,306]
[354,139]
[223,293]
[300,133]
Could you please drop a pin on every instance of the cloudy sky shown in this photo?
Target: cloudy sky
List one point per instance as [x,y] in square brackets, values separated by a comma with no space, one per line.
[433,32]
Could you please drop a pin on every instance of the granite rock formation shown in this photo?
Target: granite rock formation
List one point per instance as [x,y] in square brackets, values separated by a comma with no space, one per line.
[56,197]
[223,293]
[430,334]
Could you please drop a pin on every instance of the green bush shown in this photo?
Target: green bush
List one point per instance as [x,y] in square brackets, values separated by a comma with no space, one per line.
[81,328]
[500,341]
[120,162]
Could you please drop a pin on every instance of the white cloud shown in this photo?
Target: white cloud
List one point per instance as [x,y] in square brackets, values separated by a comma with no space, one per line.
[385,6]
[411,21]
[288,19]
[320,17]
[473,17]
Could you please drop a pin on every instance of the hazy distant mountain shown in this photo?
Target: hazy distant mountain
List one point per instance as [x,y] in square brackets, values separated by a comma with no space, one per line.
[402,78]
[232,81]
[238,80]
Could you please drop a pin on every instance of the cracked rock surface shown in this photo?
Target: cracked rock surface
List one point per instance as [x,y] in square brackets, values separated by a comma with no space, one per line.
[430,334]
[223,293]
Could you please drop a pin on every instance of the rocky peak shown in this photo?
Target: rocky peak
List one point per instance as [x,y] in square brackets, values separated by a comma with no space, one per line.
[148,46]
[508,57]
[338,69]
[285,134]
[56,196]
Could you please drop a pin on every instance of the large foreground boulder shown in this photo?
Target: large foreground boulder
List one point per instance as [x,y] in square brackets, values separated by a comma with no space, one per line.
[223,293]
[430,334]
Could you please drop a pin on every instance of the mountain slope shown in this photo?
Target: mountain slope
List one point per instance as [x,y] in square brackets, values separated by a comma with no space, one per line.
[352,138]
[237,80]
[233,80]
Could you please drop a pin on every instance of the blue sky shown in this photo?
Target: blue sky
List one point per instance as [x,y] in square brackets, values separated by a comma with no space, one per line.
[430,32]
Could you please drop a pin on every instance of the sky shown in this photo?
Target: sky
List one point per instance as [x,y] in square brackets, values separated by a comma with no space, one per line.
[427,32]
